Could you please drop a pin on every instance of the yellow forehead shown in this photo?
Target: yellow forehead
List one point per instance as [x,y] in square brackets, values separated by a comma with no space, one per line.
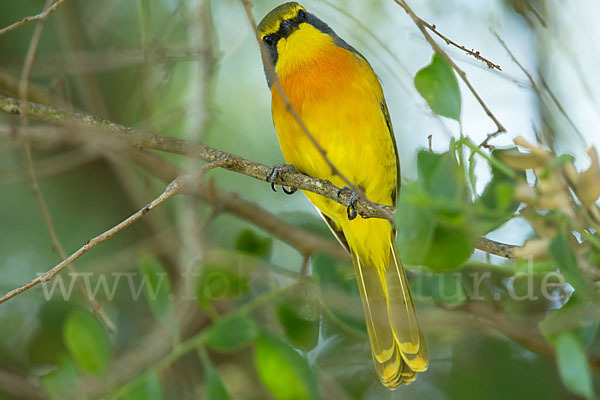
[270,23]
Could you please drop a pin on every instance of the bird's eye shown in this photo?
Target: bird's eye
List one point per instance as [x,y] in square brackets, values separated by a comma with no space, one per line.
[268,40]
[302,14]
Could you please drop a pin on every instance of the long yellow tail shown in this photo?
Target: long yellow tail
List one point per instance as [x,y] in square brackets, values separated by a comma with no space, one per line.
[397,343]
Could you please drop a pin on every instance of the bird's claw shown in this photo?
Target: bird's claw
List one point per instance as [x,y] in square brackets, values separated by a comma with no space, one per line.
[351,206]
[276,173]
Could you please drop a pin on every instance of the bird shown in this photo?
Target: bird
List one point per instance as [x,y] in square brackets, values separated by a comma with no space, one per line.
[323,90]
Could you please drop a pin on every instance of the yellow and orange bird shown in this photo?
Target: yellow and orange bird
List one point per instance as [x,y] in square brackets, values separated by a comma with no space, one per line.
[337,95]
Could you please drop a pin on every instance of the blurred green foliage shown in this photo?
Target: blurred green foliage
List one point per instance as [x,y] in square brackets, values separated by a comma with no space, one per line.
[237,313]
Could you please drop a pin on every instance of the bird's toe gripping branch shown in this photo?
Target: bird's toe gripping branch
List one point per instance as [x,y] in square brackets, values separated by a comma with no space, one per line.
[351,206]
[276,173]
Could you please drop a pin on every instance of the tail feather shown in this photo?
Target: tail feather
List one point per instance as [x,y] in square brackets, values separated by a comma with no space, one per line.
[403,316]
[397,343]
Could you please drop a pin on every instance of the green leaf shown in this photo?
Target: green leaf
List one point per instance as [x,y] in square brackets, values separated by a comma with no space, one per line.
[215,389]
[250,242]
[435,219]
[441,176]
[299,315]
[216,283]
[415,225]
[146,387]
[285,373]
[230,334]
[565,260]
[86,341]
[157,287]
[451,246]
[439,87]
[573,366]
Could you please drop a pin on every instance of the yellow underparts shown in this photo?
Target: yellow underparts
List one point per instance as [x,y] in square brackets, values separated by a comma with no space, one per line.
[339,98]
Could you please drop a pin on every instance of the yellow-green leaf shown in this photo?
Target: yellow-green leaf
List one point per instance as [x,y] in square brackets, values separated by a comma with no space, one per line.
[284,371]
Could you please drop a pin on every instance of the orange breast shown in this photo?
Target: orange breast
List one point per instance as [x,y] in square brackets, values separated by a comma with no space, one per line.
[339,99]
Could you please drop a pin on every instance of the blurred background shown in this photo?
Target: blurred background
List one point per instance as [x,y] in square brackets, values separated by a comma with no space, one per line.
[198,302]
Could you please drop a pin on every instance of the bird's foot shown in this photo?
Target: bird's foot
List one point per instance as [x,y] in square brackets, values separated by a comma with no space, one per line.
[276,173]
[351,206]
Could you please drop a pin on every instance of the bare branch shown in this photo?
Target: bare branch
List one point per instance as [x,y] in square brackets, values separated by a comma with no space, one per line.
[224,201]
[38,17]
[198,150]
[471,52]
[423,26]
[238,164]
[179,185]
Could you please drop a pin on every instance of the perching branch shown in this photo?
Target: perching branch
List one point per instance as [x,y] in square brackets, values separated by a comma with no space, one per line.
[196,150]
[306,243]
[105,128]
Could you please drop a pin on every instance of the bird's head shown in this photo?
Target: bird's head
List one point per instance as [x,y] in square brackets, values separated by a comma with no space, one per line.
[293,36]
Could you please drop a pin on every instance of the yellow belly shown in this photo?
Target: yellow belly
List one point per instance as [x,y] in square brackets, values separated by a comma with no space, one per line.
[340,101]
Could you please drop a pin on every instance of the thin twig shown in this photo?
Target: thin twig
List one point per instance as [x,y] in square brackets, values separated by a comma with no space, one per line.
[514,59]
[471,52]
[561,108]
[536,88]
[179,185]
[31,174]
[422,25]
[39,17]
